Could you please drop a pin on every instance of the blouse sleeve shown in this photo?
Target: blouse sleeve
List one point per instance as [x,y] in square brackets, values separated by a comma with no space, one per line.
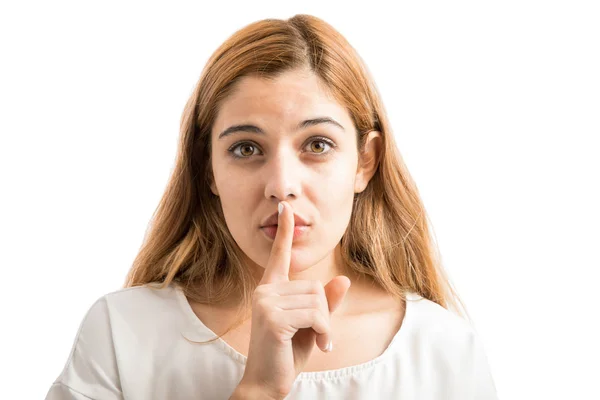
[91,369]
[484,387]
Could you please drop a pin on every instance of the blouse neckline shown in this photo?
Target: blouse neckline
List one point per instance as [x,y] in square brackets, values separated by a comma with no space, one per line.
[195,330]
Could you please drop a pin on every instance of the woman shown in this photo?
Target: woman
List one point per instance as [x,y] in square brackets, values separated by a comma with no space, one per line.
[266,245]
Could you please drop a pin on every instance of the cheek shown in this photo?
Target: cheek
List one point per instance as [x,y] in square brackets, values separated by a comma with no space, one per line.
[336,199]
[233,187]
[235,195]
[339,180]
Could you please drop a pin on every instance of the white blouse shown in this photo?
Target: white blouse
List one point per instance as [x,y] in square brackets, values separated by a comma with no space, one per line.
[132,345]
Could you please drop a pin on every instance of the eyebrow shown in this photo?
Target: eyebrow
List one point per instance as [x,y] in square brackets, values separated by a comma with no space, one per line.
[255,129]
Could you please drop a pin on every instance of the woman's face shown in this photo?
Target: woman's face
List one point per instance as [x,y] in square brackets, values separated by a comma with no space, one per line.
[312,167]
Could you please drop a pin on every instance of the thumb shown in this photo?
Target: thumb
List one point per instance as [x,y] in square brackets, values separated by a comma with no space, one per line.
[336,290]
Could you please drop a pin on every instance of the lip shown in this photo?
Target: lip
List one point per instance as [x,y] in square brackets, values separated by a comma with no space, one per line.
[271,231]
[273,219]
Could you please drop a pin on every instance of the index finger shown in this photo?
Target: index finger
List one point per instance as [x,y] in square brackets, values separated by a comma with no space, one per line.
[278,266]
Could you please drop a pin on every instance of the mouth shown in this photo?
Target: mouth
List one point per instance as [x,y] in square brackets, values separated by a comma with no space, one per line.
[273,220]
[270,231]
[295,226]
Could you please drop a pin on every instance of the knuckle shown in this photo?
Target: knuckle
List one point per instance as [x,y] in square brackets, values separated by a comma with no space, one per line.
[315,301]
[316,287]
[257,294]
[261,303]
[315,315]
[320,320]
[264,316]
[255,298]
[268,317]
[271,320]
[261,290]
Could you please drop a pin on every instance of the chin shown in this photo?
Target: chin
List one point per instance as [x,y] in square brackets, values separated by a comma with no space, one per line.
[302,261]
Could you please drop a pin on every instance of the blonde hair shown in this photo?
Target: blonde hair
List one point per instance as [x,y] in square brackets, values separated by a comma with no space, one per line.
[387,239]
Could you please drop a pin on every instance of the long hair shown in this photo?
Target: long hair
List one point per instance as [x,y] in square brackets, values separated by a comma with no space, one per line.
[387,240]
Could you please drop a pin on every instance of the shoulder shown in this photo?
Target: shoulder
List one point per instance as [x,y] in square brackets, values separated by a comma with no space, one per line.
[140,298]
[124,312]
[443,341]
[116,320]
[439,328]
[148,310]
[126,304]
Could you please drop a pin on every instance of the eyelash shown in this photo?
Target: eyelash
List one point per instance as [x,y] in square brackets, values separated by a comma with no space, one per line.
[315,139]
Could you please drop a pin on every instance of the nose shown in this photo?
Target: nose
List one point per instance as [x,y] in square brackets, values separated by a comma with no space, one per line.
[283,177]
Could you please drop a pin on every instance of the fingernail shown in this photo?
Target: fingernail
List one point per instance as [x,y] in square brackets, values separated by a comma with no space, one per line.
[329,346]
[280,208]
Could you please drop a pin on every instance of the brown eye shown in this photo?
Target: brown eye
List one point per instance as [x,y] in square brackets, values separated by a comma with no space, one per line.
[245,150]
[317,149]
[246,147]
[242,150]
[319,146]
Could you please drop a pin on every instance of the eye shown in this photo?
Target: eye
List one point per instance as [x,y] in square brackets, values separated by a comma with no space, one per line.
[244,147]
[318,147]
[323,142]
[247,148]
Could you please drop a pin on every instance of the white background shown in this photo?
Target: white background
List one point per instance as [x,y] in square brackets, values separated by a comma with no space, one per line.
[494,105]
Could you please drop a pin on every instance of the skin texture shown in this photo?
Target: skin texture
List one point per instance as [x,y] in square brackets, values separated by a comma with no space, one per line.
[283,164]
[316,180]
[287,318]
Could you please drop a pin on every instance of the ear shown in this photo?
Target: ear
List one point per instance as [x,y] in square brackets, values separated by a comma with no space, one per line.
[213,187]
[368,160]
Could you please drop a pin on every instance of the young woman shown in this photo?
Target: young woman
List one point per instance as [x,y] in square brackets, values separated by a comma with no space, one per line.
[290,222]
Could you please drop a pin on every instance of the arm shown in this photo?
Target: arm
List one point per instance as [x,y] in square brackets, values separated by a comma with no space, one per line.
[60,391]
[246,391]
[484,387]
[91,368]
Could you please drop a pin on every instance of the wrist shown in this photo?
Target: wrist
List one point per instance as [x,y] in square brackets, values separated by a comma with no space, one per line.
[249,391]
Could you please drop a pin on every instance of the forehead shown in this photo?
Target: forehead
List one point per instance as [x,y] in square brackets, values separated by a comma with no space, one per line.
[280,102]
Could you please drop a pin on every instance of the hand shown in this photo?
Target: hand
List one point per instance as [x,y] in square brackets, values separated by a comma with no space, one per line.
[288,317]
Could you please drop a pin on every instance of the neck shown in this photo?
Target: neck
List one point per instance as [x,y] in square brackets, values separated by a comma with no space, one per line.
[362,287]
